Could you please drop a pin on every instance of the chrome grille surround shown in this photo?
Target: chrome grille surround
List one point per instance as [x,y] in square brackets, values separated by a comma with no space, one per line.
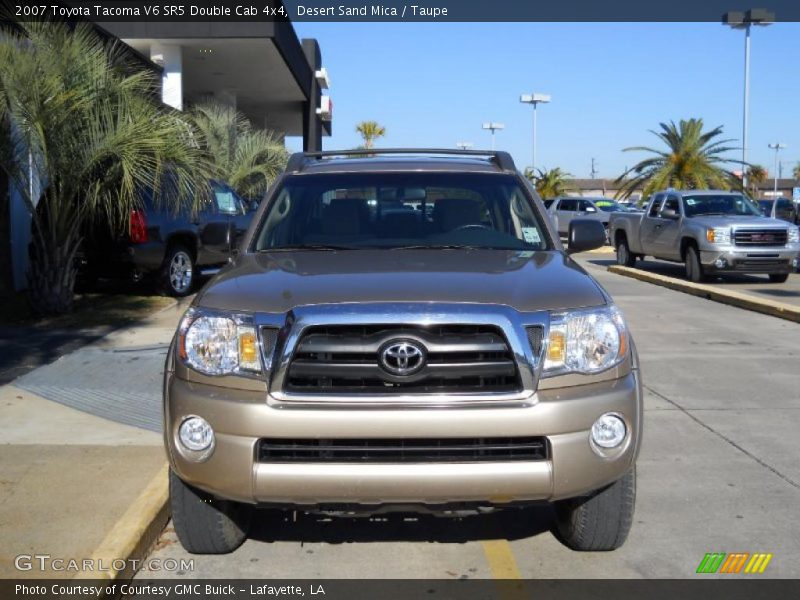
[510,322]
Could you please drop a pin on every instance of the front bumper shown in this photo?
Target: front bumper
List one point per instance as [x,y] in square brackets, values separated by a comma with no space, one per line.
[732,259]
[564,416]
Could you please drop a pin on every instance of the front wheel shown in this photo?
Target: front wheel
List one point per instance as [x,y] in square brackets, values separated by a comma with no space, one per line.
[694,268]
[600,522]
[778,277]
[624,256]
[204,524]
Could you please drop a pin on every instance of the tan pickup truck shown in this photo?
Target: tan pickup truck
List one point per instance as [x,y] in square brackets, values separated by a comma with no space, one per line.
[403,331]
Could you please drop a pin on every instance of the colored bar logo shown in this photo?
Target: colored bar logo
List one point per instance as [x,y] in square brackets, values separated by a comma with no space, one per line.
[734,563]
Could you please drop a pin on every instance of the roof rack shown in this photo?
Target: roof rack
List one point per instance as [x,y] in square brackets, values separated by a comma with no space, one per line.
[299,160]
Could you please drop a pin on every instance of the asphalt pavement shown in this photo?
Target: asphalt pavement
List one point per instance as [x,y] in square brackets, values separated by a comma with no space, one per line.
[718,472]
[753,284]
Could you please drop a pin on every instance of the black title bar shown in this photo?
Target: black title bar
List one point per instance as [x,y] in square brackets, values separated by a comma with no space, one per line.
[734,588]
[393,10]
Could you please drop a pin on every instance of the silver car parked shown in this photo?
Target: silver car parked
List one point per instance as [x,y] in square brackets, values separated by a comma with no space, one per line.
[564,210]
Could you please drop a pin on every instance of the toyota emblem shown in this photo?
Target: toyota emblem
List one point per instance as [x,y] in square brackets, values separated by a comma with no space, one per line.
[402,357]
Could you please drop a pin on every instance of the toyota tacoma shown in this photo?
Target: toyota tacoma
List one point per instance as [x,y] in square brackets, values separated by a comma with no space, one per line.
[403,331]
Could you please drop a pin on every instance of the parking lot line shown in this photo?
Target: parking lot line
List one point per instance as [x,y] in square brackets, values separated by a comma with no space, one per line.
[500,557]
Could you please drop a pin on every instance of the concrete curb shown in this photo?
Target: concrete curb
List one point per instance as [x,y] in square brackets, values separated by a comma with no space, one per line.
[135,532]
[601,250]
[773,308]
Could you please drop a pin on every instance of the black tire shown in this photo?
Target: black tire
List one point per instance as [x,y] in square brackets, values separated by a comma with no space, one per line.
[204,524]
[694,268]
[600,522]
[178,273]
[624,256]
[778,277]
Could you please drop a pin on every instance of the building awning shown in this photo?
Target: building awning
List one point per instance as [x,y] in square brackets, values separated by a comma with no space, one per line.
[261,65]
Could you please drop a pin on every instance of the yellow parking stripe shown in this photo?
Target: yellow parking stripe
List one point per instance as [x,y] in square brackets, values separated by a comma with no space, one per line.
[754,564]
[502,563]
[764,564]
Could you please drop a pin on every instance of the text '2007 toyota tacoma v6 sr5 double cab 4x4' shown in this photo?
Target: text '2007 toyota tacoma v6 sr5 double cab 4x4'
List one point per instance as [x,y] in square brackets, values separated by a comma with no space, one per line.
[403,331]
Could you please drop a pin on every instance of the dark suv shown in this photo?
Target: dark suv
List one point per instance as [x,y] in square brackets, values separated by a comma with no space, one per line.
[171,248]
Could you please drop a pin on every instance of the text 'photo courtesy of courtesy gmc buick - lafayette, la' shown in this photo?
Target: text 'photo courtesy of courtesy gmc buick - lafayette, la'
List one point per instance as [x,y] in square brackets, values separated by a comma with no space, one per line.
[711,232]
[403,331]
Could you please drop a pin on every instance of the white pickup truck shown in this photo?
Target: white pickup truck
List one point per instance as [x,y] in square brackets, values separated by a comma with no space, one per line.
[711,231]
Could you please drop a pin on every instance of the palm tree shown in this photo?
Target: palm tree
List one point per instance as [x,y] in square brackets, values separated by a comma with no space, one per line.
[246,158]
[549,183]
[80,137]
[370,131]
[692,159]
[756,174]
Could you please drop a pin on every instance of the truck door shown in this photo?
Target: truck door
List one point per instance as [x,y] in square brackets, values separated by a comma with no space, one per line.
[668,230]
[240,216]
[215,228]
[649,230]
[565,211]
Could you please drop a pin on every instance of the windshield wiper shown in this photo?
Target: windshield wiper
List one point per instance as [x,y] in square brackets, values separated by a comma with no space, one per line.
[311,247]
[449,247]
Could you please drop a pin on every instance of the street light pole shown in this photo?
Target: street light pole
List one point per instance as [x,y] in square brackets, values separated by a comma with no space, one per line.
[739,20]
[534,99]
[464,145]
[492,126]
[746,116]
[777,146]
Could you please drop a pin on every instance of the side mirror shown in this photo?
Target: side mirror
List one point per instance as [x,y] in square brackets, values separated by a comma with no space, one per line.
[591,209]
[585,234]
[669,213]
[252,206]
[217,234]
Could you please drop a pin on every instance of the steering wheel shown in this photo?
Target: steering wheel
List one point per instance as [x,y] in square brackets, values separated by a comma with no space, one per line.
[471,226]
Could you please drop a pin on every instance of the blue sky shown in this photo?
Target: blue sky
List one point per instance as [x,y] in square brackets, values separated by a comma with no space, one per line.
[433,84]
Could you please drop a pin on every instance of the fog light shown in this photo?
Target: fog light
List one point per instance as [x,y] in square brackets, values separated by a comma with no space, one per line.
[609,431]
[720,263]
[196,434]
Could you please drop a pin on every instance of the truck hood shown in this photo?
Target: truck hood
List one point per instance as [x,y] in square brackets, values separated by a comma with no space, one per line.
[280,281]
[738,222]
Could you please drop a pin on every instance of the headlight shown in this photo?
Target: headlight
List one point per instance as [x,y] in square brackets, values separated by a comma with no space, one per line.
[719,235]
[219,345]
[794,235]
[585,341]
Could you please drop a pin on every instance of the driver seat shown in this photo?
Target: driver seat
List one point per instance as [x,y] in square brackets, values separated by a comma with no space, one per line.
[452,213]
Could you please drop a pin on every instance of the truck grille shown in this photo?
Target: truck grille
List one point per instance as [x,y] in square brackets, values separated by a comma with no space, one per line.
[760,237]
[391,450]
[457,358]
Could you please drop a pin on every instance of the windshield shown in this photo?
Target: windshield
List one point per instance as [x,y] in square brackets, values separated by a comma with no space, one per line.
[609,206]
[719,204]
[401,210]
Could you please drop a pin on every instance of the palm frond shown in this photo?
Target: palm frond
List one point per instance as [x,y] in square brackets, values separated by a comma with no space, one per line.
[693,159]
